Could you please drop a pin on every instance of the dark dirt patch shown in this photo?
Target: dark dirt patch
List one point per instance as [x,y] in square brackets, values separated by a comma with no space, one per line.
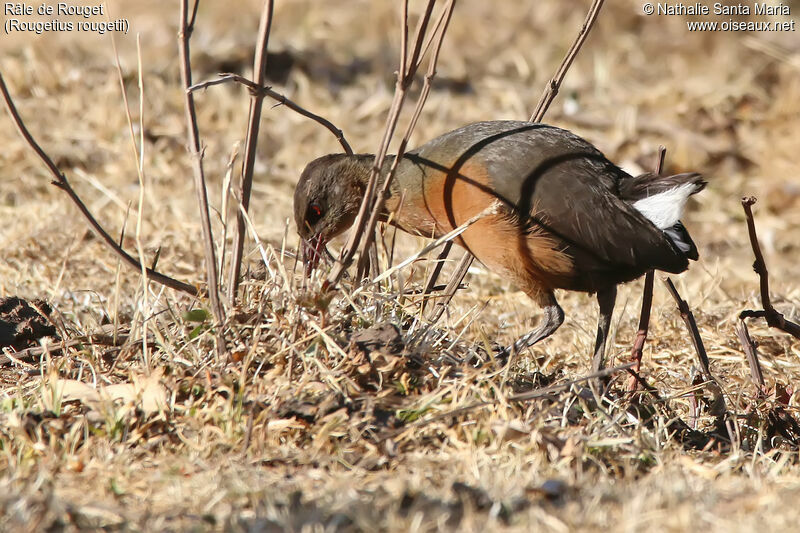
[22,323]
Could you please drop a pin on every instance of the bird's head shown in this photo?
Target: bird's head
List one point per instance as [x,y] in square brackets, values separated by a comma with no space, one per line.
[326,202]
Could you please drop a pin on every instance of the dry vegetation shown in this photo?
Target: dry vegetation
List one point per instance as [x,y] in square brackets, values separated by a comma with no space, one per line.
[311,424]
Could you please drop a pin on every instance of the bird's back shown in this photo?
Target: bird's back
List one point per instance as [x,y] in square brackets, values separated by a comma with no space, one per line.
[552,180]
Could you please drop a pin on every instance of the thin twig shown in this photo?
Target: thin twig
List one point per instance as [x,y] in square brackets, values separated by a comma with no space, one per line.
[368,212]
[435,38]
[759,265]
[773,317]
[448,237]
[357,230]
[60,181]
[281,99]
[751,353]
[691,324]
[196,152]
[437,270]
[138,156]
[769,313]
[251,144]
[724,420]
[452,286]
[647,301]
[107,335]
[554,84]
[227,194]
[377,209]
[190,26]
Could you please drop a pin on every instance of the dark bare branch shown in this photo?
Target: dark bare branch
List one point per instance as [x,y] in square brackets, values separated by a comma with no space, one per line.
[195,150]
[773,317]
[751,352]
[377,209]
[691,325]
[190,26]
[61,181]
[106,335]
[452,286]
[251,145]
[281,99]
[405,76]
[769,313]
[554,84]
[724,420]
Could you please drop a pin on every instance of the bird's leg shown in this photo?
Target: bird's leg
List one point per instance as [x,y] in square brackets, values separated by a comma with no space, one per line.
[552,319]
[606,299]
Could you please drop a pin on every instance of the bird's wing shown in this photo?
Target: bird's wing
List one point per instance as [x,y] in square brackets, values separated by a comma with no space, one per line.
[577,200]
[552,177]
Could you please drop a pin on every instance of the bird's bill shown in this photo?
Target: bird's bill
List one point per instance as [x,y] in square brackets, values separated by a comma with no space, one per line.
[313,249]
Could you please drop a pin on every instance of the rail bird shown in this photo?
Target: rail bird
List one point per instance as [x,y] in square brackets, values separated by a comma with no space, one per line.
[565,216]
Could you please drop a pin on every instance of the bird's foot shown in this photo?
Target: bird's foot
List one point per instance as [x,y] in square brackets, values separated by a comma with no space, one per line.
[502,354]
[496,353]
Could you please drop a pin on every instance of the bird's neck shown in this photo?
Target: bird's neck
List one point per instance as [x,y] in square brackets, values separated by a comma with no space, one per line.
[364,164]
[404,203]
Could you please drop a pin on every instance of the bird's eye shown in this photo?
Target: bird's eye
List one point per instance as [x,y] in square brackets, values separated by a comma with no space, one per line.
[313,214]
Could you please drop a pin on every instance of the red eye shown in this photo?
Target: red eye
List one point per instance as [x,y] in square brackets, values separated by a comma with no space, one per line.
[313,214]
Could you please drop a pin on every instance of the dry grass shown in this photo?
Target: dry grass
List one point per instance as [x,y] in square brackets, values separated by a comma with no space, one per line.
[292,434]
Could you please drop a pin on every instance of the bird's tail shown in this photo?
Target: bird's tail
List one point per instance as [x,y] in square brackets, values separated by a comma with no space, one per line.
[661,200]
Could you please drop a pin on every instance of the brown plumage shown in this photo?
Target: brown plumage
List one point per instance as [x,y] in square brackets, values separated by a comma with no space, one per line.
[568,218]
